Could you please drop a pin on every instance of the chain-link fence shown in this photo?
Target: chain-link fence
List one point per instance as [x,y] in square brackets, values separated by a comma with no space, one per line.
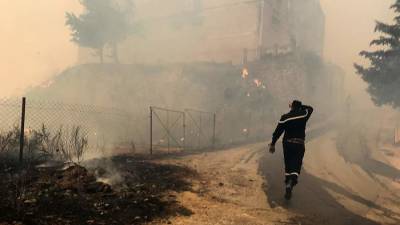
[104,129]
[10,118]
[73,132]
[69,131]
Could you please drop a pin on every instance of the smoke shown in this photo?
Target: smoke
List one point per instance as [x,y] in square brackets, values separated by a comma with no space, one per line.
[36,45]
[34,42]
[349,29]
[190,61]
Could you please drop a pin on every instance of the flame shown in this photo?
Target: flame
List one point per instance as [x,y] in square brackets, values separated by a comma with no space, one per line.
[28,131]
[47,84]
[257,82]
[245,73]
[245,130]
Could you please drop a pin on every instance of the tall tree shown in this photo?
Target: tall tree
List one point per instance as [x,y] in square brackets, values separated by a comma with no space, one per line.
[103,23]
[383,73]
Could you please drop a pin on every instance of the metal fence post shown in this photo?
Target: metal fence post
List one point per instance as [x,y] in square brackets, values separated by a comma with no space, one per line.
[184,131]
[249,126]
[200,130]
[151,130]
[22,131]
[168,135]
[214,125]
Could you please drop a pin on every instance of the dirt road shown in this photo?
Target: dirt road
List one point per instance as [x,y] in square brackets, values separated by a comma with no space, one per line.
[332,190]
[229,190]
[244,185]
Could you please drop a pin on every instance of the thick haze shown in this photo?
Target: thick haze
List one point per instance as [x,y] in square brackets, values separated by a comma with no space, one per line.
[349,29]
[35,43]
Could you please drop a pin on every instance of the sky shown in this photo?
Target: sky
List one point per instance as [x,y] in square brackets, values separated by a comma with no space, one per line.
[349,29]
[35,44]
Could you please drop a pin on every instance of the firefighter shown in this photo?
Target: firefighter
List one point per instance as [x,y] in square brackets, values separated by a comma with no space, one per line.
[293,124]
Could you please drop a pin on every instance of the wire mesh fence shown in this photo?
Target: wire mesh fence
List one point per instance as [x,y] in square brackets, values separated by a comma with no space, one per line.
[10,118]
[68,131]
[100,129]
[74,132]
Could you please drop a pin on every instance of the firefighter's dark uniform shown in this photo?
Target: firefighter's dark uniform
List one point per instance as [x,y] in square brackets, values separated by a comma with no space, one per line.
[293,124]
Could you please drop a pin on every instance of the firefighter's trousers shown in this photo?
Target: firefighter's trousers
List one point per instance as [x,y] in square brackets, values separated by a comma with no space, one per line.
[293,155]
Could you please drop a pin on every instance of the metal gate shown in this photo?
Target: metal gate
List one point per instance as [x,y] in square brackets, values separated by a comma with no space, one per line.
[167,130]
[200,129]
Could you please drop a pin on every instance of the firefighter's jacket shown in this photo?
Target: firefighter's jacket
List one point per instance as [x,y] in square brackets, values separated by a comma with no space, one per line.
[293,124]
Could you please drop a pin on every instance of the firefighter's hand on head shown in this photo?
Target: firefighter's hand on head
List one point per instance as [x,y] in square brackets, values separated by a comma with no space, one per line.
[271,148]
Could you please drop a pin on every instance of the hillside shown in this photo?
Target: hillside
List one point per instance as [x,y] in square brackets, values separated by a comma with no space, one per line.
[205,85]
[248,97]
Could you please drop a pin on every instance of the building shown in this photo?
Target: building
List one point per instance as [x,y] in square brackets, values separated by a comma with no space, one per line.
[220,30]
[289,24]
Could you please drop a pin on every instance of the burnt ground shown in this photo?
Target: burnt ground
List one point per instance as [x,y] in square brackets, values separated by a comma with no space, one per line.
[118,190]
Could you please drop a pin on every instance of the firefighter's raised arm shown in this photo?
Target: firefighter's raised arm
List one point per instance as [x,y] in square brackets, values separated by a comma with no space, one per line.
[309,110]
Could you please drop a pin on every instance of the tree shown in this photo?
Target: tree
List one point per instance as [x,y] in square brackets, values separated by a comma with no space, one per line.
[104,23]
[383,73]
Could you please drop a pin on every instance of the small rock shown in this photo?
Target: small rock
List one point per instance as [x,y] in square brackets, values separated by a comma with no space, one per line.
[30,201]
